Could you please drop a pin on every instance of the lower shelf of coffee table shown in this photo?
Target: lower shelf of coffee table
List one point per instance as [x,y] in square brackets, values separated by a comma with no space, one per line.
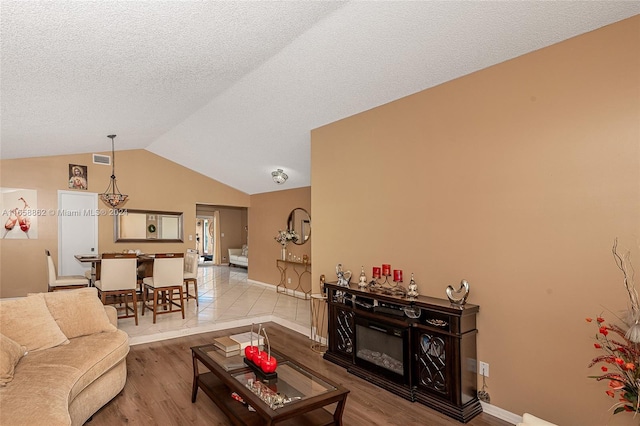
[239,413]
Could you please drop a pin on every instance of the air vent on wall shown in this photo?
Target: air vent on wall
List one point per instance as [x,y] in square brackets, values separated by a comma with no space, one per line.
[101,159]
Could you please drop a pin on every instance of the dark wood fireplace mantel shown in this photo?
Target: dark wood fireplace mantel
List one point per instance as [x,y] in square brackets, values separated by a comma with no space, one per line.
[432,340]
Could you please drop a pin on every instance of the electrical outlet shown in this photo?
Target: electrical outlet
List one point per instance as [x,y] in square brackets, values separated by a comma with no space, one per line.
[288,280]
[484,369]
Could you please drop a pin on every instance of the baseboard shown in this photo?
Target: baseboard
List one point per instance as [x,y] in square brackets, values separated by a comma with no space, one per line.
[288,292]
[500,413]
[260,283]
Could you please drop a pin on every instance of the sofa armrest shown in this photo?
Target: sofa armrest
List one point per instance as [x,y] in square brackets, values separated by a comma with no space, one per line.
[112,313]
[235,252]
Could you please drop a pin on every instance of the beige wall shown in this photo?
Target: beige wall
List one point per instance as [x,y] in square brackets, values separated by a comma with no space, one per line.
[517,178]
[152,183]
[267,215]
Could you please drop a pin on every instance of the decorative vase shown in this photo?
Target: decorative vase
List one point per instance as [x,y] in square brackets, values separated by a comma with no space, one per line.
[283,254]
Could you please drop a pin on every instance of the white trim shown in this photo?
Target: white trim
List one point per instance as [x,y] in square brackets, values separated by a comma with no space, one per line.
[289,292]
[188,331]
[269,286]
[500,413]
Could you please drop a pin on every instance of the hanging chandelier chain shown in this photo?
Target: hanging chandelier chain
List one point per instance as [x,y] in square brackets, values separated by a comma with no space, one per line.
[113,156]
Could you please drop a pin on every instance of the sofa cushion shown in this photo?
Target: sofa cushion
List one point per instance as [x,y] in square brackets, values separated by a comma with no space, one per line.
[10,354]
[28,322]
[38,395]
[88,356]
[78,312]
[245,251]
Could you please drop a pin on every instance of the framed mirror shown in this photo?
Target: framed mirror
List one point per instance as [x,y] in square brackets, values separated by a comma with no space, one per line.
[300,221]
[148,225]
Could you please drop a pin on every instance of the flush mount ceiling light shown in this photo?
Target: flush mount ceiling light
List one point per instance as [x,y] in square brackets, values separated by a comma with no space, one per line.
[279,176]
[112,196]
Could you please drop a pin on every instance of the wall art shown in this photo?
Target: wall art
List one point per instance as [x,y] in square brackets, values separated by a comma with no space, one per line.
[78,178]
[19,208]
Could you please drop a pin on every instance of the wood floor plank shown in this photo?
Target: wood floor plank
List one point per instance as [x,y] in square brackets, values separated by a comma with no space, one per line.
[159,380]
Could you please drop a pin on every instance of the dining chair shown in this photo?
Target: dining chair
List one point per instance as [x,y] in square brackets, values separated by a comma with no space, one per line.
[168,278]
[65,282]
[190,274]
[118,283]
[90,275]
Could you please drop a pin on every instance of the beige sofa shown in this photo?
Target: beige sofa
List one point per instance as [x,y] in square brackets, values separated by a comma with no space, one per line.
[239,256]
[61,358]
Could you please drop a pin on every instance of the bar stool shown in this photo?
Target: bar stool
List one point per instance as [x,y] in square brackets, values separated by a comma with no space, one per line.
[118,280]
[66,282]
[190,275]
[168,270]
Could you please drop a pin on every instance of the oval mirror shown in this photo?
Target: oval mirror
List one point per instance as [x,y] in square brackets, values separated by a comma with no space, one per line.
[300,221]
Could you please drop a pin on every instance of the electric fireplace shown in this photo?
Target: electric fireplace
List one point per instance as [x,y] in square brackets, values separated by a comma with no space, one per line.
[382,348]
[422,349]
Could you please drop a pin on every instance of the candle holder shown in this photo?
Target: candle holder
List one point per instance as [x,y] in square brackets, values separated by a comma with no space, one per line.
[387,287]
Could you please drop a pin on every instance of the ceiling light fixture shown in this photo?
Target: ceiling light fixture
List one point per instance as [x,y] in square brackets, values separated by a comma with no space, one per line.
[279,176]
[112,195]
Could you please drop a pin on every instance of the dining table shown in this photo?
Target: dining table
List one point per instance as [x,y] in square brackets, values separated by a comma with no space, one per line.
[145,265]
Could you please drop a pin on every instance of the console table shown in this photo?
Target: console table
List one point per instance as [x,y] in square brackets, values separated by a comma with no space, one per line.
[300,269]
[423,349]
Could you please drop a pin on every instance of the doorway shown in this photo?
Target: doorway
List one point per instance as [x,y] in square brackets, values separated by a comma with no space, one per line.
[205,237]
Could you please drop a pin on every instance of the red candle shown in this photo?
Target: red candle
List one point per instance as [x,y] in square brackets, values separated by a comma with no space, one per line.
[376,272]
[397,275]
[386,269]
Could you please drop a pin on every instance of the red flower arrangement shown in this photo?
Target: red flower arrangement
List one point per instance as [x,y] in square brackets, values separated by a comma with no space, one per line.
[623,357]
[621,347]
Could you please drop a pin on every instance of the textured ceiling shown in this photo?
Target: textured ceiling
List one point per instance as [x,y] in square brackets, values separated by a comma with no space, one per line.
[233,89]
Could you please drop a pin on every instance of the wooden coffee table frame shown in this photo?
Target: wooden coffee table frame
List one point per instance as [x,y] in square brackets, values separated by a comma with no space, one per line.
[219,384]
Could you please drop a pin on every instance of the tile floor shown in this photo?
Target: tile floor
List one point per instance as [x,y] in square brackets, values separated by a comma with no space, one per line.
[227,299]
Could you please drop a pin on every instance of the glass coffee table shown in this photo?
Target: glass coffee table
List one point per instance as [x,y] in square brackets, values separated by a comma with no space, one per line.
[297,396]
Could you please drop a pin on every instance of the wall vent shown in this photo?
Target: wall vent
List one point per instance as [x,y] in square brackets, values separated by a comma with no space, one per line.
[101,159]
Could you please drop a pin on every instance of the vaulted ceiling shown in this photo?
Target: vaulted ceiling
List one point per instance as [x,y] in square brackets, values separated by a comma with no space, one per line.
[232,89]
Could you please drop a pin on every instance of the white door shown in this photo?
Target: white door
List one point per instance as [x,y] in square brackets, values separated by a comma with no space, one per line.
[77,230]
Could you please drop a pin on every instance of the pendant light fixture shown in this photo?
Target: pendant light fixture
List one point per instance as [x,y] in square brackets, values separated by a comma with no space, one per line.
[112,196]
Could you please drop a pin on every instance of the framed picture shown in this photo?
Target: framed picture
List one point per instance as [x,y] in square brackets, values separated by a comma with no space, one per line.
[78,177]
[19,208]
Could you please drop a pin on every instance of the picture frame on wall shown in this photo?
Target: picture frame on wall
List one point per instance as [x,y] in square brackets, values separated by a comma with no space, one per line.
[78,177]
[19,213]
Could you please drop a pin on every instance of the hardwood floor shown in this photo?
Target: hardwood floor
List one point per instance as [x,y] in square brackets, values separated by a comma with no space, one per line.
[159,379]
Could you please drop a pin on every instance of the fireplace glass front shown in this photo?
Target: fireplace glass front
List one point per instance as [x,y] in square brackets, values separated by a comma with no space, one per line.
[382,346]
